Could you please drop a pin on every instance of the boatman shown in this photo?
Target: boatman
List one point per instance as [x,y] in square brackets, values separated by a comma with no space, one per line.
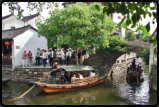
[53,74]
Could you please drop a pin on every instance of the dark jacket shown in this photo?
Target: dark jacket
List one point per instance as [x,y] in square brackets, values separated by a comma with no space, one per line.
[29,54]
[54,72]
[83,52]
[66,78]
[133,65]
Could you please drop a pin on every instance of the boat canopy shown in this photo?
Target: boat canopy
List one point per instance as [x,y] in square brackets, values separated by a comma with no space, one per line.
[135,61]
[77,68]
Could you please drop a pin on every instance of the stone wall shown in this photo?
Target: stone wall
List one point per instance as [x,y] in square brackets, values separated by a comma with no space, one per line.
[30,74]
[7,73]
[20,75]
[153,78]
[117,69]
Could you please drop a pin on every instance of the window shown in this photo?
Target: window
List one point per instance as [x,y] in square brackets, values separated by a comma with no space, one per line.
[12,27]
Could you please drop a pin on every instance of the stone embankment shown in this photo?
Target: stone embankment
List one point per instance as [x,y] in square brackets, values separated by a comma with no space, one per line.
[26,74]
[153,78]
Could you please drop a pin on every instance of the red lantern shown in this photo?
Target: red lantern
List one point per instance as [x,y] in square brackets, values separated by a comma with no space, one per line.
[7,44]
[119,17]
[70,35]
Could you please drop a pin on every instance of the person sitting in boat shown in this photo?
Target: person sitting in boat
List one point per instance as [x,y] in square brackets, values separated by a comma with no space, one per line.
[73,78]
[138,67]
[71,75]
[130,71]
[139,70]
[134,70]
[66,77]
[63,80]
[130,66]
[53,74]
[92,73]
[80,76]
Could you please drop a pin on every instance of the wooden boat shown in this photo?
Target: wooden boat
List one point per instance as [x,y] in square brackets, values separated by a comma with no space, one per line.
[133,77]
[77,83]
[141,80]
[4,81]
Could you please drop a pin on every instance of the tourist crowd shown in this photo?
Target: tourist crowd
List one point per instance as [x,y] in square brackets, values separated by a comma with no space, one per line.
[43,57]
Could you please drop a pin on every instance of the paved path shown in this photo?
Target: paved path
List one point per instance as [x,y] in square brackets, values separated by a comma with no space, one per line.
[47,66]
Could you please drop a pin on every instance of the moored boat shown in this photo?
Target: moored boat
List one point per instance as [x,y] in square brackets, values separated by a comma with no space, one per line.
[75,85]
[4,81]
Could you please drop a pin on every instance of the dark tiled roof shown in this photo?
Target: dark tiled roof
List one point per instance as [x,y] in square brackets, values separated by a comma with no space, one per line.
[27,18]
[67,3]
[5,17]
[153,34]
[11,33]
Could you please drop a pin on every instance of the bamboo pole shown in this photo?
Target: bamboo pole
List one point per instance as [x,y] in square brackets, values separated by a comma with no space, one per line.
[32,86]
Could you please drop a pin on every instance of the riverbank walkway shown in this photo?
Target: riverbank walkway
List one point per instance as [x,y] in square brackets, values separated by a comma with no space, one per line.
[41,66]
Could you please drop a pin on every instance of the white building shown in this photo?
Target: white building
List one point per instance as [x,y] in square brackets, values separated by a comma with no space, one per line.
[21,34]
[11,22]
[30,20]
[153,59]
[23,38]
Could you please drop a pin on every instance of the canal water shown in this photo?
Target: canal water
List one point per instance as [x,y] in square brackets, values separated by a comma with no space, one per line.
[114,91]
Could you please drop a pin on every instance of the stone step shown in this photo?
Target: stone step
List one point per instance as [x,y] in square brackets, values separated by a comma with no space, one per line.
[30,77]
[40,76]
[40,73]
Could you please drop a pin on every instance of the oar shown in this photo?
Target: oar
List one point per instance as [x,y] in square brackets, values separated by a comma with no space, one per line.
[32,86]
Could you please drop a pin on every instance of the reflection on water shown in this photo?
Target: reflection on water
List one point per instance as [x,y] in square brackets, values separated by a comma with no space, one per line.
[114,91]
[136,94]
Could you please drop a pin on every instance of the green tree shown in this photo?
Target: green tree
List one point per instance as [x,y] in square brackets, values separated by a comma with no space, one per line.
[145,38]
[116,43]
[133,12]
[129,35]
[138,35]
[39,6]
[144,54]
[78,25]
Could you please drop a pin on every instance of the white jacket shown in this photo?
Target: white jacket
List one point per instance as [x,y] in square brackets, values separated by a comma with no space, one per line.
[72,78]
[80,77]
[44,55]
[63,55]
[92,74]
[60,54]
[68,54]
